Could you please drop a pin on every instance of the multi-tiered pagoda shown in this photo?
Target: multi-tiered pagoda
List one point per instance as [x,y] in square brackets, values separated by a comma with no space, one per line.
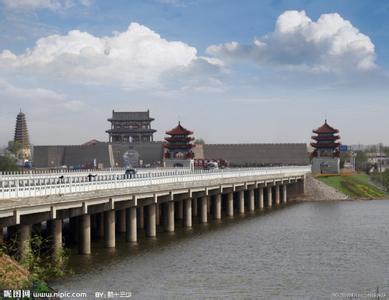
[325,144]
[325,156]
[21,136]
[179,147]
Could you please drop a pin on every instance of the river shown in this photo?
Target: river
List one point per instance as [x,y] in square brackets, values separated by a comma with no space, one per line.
[309,250]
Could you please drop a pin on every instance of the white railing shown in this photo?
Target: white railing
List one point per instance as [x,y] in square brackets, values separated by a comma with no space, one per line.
[38,186]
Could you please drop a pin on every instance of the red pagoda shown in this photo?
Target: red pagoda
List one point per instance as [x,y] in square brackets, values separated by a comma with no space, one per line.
[325,144]
[178,146]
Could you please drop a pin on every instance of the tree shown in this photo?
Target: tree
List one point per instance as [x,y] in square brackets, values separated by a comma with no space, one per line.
[199,141]
[7,163]
[15,147]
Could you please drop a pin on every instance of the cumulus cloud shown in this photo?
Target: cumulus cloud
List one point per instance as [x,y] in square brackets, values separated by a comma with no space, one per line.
[329,44]
[43,4]
[137,57]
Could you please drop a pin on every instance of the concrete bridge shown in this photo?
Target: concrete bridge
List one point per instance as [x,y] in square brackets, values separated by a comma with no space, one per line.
[74,207]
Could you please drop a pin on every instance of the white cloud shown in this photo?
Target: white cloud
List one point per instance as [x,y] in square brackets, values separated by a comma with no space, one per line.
[137,57]
[43,4]
[329,44]
[36,97]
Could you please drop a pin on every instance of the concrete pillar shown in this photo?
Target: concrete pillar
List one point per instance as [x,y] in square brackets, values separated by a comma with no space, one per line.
[241,202]
[100,225]
[218,207]
[122,221]
[157,214]
[141,218]
[109,229]
[169,225]
[278,198]
[151,222]
[260,198]
[269,196]
[180,209]
[85,235]
[204,209]
[284,193]
[251,201]
[131,230]
[230,204]
[188,213]
[24,238]
[55,235]
[194,209]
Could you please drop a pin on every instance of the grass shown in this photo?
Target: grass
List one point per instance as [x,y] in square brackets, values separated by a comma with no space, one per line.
[354,185]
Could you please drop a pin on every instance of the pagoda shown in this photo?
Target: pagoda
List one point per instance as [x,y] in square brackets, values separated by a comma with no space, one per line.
[325,144]
[178,147]
[21,136]
[325,156]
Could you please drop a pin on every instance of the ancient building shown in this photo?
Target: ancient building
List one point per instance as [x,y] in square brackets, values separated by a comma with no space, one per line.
[179,147]
[325,156]
[21,135]
[131,127]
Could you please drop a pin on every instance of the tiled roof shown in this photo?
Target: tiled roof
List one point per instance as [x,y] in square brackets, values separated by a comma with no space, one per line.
[131,115]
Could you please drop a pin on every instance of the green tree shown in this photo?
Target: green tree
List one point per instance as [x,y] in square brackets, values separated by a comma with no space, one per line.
[7,163]
[15,147]
[361,162]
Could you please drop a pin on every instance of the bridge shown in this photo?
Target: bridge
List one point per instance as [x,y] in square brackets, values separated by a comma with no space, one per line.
[77,206]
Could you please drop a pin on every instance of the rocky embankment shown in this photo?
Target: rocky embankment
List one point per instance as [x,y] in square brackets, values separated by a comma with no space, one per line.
[315,190]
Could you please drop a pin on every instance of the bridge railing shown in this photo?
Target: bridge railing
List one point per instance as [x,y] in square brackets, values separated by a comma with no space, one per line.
[38,186]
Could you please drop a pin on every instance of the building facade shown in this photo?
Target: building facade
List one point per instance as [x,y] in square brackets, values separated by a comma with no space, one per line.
[131,127]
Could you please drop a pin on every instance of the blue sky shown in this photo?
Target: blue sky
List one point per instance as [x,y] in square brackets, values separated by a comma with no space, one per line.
[231,71]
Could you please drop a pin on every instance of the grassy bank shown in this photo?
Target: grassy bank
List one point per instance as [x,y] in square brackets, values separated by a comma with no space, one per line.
[354,185]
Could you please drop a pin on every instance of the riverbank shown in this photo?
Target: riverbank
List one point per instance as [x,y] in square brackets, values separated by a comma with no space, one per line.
[342,187]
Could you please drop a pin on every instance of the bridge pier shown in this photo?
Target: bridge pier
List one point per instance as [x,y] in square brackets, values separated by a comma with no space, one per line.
[251,200]
[157,214]
[218,207]
[169,224]
[241,202]
[204,209]
[269,196]
[230,204]
[188,213]
[109,229]
[277,188]
[260,198]
[23,241]
[141,217]
[151,221]
[55,233]
[85,235]
[194,209]
[131,224]
[284,193]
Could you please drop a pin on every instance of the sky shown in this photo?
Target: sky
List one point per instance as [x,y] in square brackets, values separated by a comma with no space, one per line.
[231,71]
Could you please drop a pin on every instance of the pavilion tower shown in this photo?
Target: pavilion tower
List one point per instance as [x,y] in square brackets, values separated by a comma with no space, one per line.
[178,147]
[21,135]
[325,156]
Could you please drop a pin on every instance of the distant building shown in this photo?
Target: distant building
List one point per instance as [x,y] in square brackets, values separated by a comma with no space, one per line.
[131,127]
[325,156]
[21,135]
[179,147]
